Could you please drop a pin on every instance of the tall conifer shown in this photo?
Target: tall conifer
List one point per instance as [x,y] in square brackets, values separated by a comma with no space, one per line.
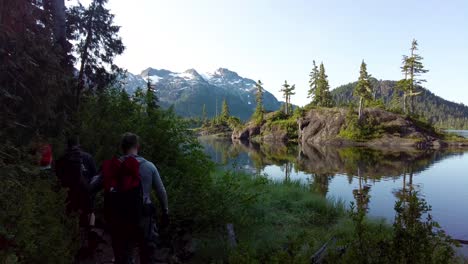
[363,89]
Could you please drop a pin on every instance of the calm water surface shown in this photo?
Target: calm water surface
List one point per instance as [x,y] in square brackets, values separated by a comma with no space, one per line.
[441,177]
[463,133]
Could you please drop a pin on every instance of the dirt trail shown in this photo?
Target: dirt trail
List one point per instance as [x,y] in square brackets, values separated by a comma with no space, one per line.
[101,244]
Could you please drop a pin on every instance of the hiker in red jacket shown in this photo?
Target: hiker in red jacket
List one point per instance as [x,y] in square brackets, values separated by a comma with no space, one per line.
[128,208]
[45,159]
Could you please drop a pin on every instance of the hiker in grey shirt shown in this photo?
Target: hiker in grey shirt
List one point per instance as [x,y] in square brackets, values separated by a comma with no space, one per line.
[123,238]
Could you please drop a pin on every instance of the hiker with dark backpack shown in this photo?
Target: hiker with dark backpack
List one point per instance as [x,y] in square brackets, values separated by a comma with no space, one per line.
[128,209]
[75,170]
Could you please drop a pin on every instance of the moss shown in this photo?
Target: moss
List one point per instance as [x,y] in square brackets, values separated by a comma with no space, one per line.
[289,126]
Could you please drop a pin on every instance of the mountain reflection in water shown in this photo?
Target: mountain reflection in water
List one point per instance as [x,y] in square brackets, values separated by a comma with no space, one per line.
[372,179]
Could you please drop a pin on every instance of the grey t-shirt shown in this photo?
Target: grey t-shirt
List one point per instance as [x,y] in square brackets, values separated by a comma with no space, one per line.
[150,178]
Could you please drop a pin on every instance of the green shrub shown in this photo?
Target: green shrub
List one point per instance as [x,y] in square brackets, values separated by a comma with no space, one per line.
[360,130]
[275,222]
[423,124]
[289,125]
[299,112]
[411,239]
[34,225]
[166,140]
[375,103]
[278,115]
[234,122]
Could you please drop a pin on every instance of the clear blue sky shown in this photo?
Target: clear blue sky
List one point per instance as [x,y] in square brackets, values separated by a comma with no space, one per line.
[275,40]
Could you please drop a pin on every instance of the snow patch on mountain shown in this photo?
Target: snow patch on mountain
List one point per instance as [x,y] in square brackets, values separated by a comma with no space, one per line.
[154,79]
[188,90]
[187,75]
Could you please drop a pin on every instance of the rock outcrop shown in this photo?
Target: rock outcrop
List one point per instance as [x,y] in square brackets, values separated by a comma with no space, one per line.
[375,163]
[221,130]
[274,129]
[331,126]
[246,133]
[323,126]
[268,132]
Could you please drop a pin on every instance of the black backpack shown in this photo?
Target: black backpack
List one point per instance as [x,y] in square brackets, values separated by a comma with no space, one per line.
[70,171]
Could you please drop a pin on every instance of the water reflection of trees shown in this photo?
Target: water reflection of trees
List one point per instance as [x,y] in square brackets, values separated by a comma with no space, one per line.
[361,194]
[287,169]
[415,235]
[319,182]
[373,164]
[322,163]
[318,160]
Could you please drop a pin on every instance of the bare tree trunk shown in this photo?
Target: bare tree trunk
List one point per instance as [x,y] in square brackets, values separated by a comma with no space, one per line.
[411,182]
[286,105]
[404,189]
[232,240]
[404,102]
[84,58]
[412,104]
[412,81]
[2,9]
[287,172]
[360,179]
[360,108]
[58,13]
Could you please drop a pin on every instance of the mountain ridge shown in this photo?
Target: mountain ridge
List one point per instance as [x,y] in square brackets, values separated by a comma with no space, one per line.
[188,91]
[437,110]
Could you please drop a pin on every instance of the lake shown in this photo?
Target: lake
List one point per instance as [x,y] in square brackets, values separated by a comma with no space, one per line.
[440,177]
[463,133]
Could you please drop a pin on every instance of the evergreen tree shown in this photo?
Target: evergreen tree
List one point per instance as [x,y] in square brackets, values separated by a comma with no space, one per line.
[58,17]
[403,85]
[284,89]
[313,92]
[323,89]
[225,114]
[412,69]
[291,92]
[363,89]
[259,110]
[33,84]
[204,115]
[98,43]
[151,97]
[287,91]
[394,103]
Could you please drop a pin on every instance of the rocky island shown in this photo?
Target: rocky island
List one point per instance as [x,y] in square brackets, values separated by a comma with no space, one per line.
[377,128]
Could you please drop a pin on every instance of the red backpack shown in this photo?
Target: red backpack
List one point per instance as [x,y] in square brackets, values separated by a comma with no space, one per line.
[123,193]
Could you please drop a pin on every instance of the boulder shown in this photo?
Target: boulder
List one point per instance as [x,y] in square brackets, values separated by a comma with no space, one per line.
[246,133]
[321,125]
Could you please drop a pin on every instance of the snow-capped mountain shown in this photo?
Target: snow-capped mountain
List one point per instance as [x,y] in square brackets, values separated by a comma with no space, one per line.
[188,91]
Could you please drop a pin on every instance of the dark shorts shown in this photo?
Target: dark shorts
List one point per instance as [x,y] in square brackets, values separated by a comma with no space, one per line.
[127,237]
